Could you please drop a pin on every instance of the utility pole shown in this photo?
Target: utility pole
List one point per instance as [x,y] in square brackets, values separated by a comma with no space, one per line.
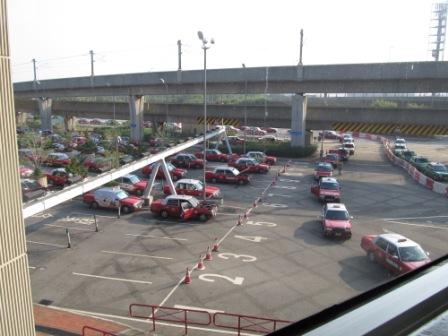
[92,73]
[179,55]
[34,70]
[301,46]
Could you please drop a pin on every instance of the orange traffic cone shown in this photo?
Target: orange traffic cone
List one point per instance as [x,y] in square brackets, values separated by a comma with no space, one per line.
[201,265]
[187,279]
[208,255]
[215,246]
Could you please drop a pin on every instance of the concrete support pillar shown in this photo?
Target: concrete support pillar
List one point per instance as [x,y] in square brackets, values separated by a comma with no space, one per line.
[45,113]
[150,185]
[69,123]
[136,105]
[168,179]
[298,115]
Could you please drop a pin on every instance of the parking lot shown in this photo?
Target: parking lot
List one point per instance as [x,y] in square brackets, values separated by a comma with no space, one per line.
[276,265]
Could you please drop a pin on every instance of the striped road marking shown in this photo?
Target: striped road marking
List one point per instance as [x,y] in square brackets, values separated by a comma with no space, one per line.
[377,128]
[137,255]
[156,237]
[111,278]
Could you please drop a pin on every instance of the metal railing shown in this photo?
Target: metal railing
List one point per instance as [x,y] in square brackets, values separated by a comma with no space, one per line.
[203,318]
[87,331]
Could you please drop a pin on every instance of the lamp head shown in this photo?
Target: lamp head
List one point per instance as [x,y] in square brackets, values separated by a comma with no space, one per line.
[212,41]
[200,35]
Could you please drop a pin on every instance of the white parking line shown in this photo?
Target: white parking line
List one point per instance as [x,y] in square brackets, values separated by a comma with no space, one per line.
[137,255]
[67,227]
[227,214]
[156,237]
[391,219]
[234,207]
[211,311]
[31,267]
[420,225]
[46,244]
[111,278]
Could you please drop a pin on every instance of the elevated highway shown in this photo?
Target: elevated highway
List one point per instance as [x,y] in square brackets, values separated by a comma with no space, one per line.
[321,114]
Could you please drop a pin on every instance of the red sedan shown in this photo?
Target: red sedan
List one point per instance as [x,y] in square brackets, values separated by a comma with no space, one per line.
[394,252]
[176,173]
[187,161]
[213,155]
[247,165]
[193,188]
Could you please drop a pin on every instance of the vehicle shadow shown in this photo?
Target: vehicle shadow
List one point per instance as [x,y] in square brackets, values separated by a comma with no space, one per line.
[311,233]
[361,274]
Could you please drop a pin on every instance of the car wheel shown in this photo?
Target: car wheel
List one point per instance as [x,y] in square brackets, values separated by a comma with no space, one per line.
[126,209]
[371,256]
[94,205]
[203,217]
[213,180]
[241,182]
[164,214]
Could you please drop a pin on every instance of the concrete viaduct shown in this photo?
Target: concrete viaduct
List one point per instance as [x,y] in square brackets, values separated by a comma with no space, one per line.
[345,115]
[414,77]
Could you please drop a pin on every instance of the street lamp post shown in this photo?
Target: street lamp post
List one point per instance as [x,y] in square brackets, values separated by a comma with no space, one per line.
[166,98]
[245,107]
[205,46]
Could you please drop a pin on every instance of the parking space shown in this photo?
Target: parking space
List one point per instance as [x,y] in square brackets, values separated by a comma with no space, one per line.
[277,264]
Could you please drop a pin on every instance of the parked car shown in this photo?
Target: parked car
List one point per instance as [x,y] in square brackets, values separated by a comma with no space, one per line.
[406,154]
[336,221]
[193,188]
[255,131]
[331,158]
[31,190]
[78,141]
[350,147]
[330,135]
[97,164]
[323,169]
[398,148]
[346,137]
[25,171]
[343,153]
[226,174]
[83,121]
[60,177]
[400,141]
[213,155]
[57,160]
[132,184]
[125,159]
[437,171]
[29,154]
[112,198]
[262,157]
[187,161]
[176,173]
[248,165]
[327,190]
[184,207]
[394,252]
[96,122]
[269,129]
[419,162]
[234,140]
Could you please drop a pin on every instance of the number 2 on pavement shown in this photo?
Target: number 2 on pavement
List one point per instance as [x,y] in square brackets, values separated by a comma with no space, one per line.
[209,278]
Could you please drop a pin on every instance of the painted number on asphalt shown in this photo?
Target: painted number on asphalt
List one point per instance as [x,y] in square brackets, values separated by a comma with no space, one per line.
[275,205]
[285,187]
[268,224]
[78,220]
[243,257]
[209,278]
[255,239]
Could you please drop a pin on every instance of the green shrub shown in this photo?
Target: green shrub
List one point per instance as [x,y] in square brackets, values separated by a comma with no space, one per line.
[382,103]
[277,149]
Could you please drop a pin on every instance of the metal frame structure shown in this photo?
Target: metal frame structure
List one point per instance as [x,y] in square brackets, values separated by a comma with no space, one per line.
[77,189]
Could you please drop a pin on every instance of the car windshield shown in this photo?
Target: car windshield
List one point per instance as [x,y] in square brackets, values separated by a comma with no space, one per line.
[121,195]
[198,185]
[194,202]
[325,168]
[439,168]
[349,145]
[337,215]
[191,157]
[329,185]
[421,160]
[412,253]
[134,179]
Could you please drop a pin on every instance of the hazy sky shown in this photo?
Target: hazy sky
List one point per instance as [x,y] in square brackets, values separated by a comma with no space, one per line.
[141,35]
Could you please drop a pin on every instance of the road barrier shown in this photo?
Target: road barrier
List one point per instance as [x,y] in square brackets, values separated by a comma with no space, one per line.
[169,314]
[427,182]
[87,331]
[203,318]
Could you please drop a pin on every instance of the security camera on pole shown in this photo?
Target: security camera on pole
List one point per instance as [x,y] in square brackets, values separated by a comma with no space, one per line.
[205,46]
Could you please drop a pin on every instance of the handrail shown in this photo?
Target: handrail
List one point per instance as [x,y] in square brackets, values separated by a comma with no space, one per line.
[249,323]
[103,332]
